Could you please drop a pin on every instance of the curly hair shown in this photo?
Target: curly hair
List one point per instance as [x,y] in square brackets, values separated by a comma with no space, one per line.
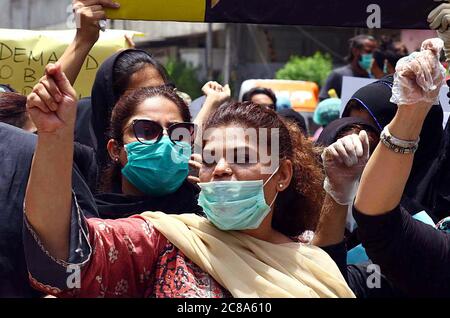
[297,209]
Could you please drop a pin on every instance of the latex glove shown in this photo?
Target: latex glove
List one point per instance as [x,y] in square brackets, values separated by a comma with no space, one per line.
[344,162]
[439,17]
[439,20]
[419,76]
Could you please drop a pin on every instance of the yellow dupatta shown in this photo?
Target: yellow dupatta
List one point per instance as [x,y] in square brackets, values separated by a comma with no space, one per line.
[248,267]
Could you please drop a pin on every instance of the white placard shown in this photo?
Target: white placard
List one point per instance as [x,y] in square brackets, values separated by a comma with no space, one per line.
[350,85]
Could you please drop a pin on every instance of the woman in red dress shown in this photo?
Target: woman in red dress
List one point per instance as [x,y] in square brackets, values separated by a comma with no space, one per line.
[258,195]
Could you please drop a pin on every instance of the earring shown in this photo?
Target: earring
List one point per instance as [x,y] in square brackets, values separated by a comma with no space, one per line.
[116,159]
[280,185]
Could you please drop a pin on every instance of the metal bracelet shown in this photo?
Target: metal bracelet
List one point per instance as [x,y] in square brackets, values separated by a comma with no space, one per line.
[386,134]
[398,149]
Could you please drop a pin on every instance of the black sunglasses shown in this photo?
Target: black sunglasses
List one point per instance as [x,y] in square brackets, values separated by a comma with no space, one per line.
[149,132]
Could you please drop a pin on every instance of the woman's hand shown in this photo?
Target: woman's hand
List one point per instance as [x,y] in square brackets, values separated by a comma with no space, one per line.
[344,162]
[216,93]
[130,41]
[439,18]
[52,104]
[417,83]
[195,163]
[419,77]
[88,13]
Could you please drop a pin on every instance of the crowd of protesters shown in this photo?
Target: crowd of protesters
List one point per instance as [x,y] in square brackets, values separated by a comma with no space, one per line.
[140,199]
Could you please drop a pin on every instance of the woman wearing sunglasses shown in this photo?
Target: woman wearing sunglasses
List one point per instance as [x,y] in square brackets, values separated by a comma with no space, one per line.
[119,75]
[246,246]
[148,127]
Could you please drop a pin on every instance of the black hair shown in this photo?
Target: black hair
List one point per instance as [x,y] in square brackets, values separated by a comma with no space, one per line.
[260,90]
[390,51]
[13,109]
[357,42]
[130,62]
[122,112]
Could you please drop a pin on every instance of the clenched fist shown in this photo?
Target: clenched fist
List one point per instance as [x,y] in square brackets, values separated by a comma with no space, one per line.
[419,77]
[344,162]
[53,103]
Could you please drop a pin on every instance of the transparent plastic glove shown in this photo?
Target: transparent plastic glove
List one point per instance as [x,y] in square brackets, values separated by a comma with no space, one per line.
[439,20]
[445,36]
[344,162]
[419,77]
[439,17]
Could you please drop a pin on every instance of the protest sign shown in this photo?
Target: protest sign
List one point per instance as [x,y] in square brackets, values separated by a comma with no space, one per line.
[24,55]
[406,14]
[349,87]
[160,10]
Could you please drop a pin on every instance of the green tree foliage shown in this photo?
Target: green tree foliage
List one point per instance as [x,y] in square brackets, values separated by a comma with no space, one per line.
[184,76]
[307,68]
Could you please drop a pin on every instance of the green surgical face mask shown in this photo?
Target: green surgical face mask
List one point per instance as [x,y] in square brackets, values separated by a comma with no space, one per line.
[366,61]
[235,205]
[157,169]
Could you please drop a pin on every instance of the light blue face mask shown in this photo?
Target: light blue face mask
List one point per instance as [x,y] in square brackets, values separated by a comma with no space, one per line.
[235,205]
[366,61]
[157,169]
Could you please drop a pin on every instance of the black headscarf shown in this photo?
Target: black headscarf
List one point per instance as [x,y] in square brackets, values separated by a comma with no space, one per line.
[94,113]
[330,133]
[103,100]
[296,117]
[375,98]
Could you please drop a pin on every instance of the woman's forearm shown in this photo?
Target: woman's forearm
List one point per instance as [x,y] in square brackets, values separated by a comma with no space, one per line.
[384,178]
[208,107]
[48,198]
[74,56]
[331,228]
